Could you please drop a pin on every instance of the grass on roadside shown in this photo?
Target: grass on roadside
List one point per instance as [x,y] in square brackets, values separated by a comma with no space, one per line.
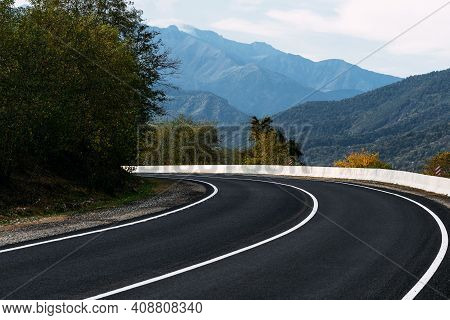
[29,198]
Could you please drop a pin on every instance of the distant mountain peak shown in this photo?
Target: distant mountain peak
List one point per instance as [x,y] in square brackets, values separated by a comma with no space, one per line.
[257,78]
[262,44]
[199,33]
[185,28]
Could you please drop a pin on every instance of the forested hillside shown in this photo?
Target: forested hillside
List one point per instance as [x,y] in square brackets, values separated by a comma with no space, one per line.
[406,122]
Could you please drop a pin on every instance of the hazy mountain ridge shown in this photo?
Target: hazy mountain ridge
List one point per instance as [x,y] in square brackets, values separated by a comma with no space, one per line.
[256,78]
[406,122]
[203,106]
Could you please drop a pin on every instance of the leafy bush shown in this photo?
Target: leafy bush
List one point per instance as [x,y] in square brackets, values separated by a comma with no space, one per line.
[362,159]
[441,161]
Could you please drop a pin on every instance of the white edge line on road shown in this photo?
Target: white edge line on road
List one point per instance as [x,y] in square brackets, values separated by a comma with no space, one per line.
[442,250]
[34,244]
[222,257]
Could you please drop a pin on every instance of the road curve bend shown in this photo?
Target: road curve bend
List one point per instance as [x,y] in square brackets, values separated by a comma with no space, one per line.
[249,238]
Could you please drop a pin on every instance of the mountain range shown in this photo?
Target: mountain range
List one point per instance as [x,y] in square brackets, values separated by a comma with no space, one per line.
[220,80]
[256,78]
[406,122]
[202,106]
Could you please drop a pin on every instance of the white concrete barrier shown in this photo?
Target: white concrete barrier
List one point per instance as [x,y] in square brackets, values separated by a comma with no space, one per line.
[414,180]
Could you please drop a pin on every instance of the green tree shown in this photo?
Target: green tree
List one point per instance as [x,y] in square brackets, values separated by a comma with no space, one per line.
[73,91]
[153,60]
[13,138]
[179,142]
[270,145]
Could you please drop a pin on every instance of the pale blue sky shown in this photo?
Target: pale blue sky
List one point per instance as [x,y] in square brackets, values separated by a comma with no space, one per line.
[324,29]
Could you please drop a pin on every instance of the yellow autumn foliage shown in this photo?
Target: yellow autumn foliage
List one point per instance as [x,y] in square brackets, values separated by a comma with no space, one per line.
[362,159]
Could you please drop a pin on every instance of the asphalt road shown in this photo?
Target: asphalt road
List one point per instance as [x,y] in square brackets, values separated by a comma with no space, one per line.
[247,240]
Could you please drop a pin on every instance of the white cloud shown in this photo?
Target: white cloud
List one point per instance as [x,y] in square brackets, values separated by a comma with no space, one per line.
[246,5]
[244,26]
[162,23]
[162,6]
[380,21]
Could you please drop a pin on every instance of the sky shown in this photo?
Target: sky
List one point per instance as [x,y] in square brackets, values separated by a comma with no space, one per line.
[324,29]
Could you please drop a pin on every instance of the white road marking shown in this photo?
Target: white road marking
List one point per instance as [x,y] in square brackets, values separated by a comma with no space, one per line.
[442,250]
[222,257]
[118,226]
[409,296]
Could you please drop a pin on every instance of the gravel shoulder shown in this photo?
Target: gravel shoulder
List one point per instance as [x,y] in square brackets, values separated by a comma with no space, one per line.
[177,194]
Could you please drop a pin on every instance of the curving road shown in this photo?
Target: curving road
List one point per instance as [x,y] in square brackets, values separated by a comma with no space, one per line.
[249,238]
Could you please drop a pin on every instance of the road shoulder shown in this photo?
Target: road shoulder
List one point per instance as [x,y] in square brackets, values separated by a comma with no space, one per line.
[178,194]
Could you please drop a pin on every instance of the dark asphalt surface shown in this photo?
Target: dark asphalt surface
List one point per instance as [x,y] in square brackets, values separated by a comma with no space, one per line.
[361,244]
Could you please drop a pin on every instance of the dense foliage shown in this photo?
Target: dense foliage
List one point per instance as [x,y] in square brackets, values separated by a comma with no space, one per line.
[406,122]
[184,142]
[270,146]
[76,79]
[438,165]
[362,159]
[179,141]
